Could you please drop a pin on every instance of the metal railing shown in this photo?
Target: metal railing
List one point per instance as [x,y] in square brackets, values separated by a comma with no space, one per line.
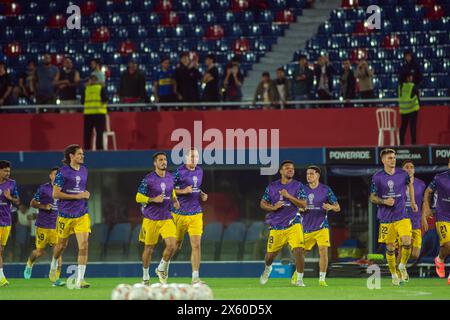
[299,104]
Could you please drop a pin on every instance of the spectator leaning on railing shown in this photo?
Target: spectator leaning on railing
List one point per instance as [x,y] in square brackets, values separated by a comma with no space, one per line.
[364,74]
[211,80]
[164,84]
[348,82]
[283,86]
[95,101]
[5,85]
[46,77]
[266,91]
[67,83]
[187,77]
[233,81]
[96,70]
[324,72]
[408,96]
[132,85]
[410,67]
[27,83]
[303,78]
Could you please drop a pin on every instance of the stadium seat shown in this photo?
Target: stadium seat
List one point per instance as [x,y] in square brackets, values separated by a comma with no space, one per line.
[214,32]
[255,241]
[117,247]
[97,241]
[232,242]
[212,235]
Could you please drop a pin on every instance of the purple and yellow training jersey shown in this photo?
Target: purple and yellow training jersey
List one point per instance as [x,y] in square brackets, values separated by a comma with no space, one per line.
[46,218]
[5,204]
[441,186]
[315,217]
[419,190]
[189,203]
[286,216]
[393,186]
[72,181]
[152,186]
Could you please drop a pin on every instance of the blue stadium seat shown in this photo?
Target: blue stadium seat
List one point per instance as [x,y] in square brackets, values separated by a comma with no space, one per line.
[265,16]
[232,242]
[212,235]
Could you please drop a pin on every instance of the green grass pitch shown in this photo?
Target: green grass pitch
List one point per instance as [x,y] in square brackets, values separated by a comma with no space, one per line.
[243,289]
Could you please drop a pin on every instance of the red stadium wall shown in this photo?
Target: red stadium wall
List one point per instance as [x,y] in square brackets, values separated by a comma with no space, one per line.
[152,130]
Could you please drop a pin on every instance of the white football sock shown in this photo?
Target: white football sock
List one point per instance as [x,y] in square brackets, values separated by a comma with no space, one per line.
[322,276]
[163,265]
[81,271]
[195,275]
[300,276]
[2,275]
[268,268]
[145,273]
[54,264]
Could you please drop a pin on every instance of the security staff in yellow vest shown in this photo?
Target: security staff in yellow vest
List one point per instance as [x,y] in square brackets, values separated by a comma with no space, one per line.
[408,97]
[94,100]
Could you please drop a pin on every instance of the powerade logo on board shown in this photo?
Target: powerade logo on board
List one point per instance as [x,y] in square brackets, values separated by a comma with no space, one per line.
[440,155]
[350,155]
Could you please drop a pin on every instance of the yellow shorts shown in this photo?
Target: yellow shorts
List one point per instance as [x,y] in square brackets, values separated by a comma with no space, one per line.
[416,239]
[68,226]
[443,229]
[192,224]
[151,229]
[389,232]
[292,236]
[4,235]
[321,237]
[45,237]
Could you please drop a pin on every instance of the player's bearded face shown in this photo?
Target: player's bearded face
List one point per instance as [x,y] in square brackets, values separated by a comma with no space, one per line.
[5,173]
[288,171]
[161,163]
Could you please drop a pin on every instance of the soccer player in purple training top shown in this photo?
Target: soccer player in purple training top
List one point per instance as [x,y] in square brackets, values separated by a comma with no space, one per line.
[70,190]
[388,191]
[45,225]
[441,187]
[8,196]
[415,217]
[282,199]
[320,201]
[189,217]
[156,194]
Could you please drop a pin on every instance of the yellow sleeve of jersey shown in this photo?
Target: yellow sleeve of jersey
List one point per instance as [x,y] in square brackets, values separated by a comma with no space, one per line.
[174,194]
[140,198]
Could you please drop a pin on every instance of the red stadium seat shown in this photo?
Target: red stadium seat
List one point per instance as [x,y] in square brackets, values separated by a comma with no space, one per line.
[57,21]
[285,17]
[239,5]
[215,32]
[88,8]
[391,42]
[164,6]
[241,45]
[13,49]
[349,3]
[100,35]
[358,54]
[58,59]
[362,28]
[169,19]
[435,13]
[427,3]
[127,47]
[12,9]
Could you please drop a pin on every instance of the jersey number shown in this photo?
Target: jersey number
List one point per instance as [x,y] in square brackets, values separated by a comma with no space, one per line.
[443,230]
[41,236]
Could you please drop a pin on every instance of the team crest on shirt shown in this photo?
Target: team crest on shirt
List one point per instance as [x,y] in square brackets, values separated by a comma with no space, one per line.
[77,180]
[311,198]
[390,184]
[1,191]
[163,188]
[195,180]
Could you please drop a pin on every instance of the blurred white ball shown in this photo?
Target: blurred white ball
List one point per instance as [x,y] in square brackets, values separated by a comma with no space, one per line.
[139,292]
[121,292]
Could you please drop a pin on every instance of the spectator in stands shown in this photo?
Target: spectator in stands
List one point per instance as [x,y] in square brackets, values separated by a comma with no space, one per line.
[46,76]
[94,100]
[410,66]
[164,85]
[27,83]
[96,70]
[24,216]
[211,80]
[187,78]
[67,83]
[324,72]
[408,96]
[6,86]
[364,74]
[348,81]
[266,91]
[303,78]
[132,84]
[283,86]
[233,81]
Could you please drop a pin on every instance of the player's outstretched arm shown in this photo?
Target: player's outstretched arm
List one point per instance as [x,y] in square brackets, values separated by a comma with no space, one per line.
[37,205]
[268,207]
[375,199]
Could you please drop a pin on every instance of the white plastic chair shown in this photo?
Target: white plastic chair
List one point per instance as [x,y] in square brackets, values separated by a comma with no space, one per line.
[387,122]
[108,133]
